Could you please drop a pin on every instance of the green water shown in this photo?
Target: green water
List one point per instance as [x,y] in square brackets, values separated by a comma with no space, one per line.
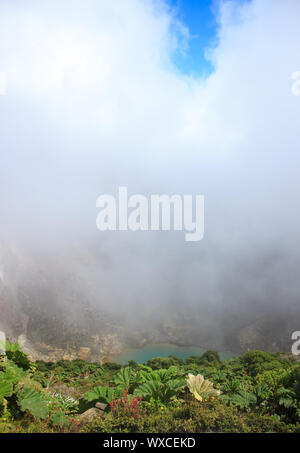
[163,350]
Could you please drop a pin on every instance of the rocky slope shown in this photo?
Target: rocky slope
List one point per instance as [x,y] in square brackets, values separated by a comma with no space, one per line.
[51,323]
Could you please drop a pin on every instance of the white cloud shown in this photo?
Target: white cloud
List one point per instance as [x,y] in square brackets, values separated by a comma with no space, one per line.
[2,84]
[96,103]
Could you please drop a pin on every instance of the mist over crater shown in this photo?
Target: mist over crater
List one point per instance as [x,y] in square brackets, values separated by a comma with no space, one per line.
[93,101]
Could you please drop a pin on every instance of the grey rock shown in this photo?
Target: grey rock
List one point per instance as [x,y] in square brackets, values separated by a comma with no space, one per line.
[90,414]
[101,406]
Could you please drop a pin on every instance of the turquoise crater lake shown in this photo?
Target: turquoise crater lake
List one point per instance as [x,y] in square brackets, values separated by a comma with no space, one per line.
[150,351]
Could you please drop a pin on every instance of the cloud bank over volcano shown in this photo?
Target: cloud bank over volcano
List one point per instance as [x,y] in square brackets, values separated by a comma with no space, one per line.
[93,101]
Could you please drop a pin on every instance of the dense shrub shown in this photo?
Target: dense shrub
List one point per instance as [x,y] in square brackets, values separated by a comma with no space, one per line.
[258,392]
[164,362]
[258,361]
[208,358]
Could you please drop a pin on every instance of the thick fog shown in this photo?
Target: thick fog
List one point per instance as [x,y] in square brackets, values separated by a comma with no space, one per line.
[93,101]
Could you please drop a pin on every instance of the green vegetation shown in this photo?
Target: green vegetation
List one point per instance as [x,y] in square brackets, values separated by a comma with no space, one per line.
[258,392]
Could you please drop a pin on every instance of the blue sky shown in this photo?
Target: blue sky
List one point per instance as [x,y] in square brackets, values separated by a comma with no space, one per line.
[199,17]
